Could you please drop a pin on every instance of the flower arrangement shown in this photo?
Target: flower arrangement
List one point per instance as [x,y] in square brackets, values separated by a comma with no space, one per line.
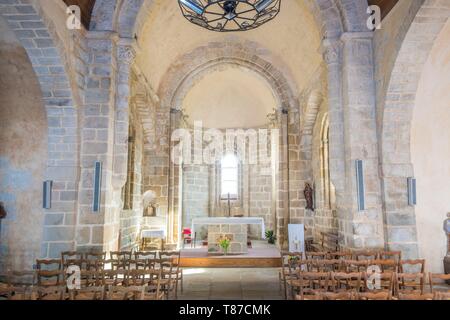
[224,243]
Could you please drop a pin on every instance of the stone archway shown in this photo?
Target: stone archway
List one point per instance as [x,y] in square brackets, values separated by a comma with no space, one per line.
[395,156]
[38,36]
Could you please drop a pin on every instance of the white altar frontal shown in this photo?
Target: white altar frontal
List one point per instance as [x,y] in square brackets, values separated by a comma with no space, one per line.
[233,228]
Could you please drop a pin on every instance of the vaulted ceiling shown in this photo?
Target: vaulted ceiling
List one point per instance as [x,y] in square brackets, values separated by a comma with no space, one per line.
[87,6]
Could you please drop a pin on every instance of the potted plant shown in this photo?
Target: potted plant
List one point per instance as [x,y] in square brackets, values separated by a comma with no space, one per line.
[224,244]
[270,236]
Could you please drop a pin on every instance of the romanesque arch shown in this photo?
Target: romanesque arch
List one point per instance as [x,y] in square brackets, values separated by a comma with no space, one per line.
[37,35]
[395,158]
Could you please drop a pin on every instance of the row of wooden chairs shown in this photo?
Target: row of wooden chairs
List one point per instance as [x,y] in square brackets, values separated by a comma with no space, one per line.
[111,292]
[305,283]
[350,295]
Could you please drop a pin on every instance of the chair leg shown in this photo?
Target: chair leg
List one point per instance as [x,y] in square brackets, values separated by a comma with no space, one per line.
[182,288]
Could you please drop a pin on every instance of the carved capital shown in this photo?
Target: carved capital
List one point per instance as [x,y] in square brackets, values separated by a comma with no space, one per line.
[125,54]
[331,50]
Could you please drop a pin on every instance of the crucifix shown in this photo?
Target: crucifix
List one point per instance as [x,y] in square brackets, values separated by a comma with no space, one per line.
[229,205]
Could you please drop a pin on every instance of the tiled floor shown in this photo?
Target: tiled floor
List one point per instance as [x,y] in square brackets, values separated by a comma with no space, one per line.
[231,284]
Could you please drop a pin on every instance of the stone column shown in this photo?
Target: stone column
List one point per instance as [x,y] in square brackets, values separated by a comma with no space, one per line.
[283,180]
[362,229]
[174,211]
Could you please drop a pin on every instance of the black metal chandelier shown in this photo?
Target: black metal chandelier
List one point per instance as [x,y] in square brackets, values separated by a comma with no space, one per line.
[226,15]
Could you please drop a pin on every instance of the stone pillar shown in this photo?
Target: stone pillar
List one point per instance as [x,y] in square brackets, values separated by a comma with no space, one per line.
[362,229]
[283,180]
[174,211]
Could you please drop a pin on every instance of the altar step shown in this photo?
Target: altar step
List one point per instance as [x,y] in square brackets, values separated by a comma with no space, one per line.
[260,256]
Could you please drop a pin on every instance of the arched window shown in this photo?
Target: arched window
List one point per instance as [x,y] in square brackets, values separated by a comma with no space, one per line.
[229,166]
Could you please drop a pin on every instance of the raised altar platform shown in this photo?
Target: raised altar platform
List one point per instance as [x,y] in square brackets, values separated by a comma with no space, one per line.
[260,255]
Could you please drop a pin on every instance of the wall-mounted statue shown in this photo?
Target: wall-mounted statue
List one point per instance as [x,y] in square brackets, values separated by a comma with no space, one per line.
[309,196]
[149,204]
[2,211]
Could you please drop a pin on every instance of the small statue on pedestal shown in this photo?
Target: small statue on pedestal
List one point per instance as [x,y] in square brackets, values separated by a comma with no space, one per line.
[309,197]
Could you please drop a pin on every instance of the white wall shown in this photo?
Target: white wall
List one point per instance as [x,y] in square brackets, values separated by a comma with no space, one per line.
[430,148]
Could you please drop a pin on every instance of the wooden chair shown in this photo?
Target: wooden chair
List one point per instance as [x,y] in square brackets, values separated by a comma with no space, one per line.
[385,265]
[121,259]
[51,292]
[391,255]
[438,282]
[125,293]
[409,283]
[346,282]
[412,266]
[374,296]
[49,273]
[441,296]
[291,263]
[341,255]
[352,266]
[187,237]
[145,259]
[324,265]
[150,279]
[349,295]
[364,255]
[95,260]
[113,277]
[310,283]
[20,284]
[88,293]
[70,256]
[316,255]
[385,284]
[177,274]
[415,296]
[165,266]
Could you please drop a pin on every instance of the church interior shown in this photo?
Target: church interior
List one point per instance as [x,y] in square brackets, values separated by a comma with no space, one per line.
[224,150]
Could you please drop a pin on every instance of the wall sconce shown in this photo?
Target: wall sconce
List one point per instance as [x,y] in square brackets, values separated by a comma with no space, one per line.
[412,192]
[47,194]
[97,186]
[360,185]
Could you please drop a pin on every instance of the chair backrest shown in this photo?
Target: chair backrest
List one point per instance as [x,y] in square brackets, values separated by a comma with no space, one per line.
[385,265]
[391,255]
[379,282]
[113,277]
[324,265]
[145,259]
[412,266]
[21,278]
[311,282]
[410,283]
[71,255]
[346,281]
[48,264]
[330,241]
[341,255]
[441,296]
[121,259]
[317,255]
[174,255]
[355,266]
[362,255]
[438,282]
